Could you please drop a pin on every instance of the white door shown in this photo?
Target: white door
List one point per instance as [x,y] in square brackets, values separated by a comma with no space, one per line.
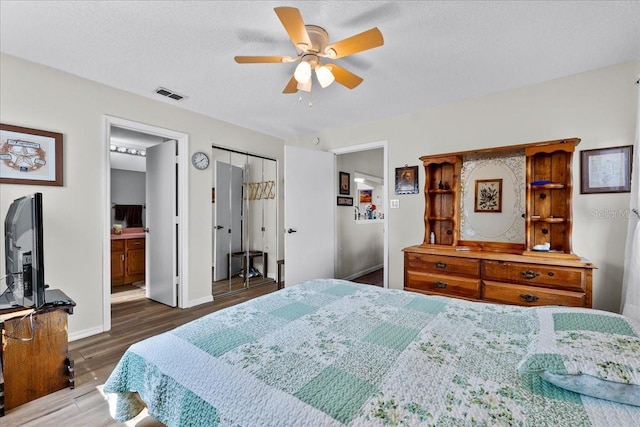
[227,224]
[309,209]
[161,212]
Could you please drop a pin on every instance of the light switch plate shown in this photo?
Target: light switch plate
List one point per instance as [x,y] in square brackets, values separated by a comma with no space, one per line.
[395,203]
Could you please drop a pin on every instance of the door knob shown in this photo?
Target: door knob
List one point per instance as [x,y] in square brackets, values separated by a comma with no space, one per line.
[218,227]
[146,229]
[291,230]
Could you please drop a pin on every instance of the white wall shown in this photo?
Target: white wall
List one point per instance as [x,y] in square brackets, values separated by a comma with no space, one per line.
[43,98]
[598,106]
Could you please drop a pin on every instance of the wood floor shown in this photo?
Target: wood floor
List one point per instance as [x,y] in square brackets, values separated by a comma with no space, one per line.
[133,318]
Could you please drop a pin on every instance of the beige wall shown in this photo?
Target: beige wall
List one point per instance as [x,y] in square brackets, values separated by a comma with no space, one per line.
[40,97]
[598,106]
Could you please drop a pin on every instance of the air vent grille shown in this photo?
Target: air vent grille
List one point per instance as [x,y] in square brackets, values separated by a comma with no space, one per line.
[170,94]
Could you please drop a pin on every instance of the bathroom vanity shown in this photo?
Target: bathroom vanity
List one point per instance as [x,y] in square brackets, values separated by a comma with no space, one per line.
[127,256]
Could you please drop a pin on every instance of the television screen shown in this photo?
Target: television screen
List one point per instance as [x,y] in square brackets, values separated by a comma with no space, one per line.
[24,260]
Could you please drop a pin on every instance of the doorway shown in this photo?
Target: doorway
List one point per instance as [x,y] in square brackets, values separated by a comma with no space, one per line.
[123,134]
[362,237]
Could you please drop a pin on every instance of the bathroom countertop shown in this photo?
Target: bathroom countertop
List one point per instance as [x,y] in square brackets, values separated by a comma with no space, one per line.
[129,233]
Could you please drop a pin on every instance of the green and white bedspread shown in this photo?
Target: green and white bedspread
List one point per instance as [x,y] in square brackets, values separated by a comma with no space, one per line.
[331,353]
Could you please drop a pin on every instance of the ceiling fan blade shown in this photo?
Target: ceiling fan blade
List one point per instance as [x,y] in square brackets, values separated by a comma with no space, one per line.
[292,21]
[344,77]
[354,44]
[262,59]
[292,86]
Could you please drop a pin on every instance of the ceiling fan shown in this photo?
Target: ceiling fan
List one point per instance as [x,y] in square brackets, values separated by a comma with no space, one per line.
[312,44]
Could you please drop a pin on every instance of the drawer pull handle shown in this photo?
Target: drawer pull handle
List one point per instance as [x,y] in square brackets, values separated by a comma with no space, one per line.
[529,297]
[551,274]
[441,265]
[440,285]
[528,274]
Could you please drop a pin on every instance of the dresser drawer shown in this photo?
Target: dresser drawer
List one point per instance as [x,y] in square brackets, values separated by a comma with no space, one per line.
[563,277]
[117,245]
[135,243]
[442,264]
[443,284]
[508,293]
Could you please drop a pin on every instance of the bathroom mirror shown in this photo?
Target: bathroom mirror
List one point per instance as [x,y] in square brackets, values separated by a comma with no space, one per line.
[244,218]
[502,222]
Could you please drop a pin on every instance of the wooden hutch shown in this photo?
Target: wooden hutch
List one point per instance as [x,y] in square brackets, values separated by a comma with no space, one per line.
[539,269]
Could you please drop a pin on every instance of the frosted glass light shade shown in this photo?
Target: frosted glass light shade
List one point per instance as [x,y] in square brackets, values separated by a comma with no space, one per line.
[325,76]
[303,72]
[306,86]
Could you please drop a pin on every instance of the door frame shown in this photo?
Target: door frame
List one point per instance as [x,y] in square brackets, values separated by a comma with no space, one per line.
[183,208]
[385,198]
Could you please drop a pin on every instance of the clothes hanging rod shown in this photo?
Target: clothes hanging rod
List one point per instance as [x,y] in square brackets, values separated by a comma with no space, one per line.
[244,153]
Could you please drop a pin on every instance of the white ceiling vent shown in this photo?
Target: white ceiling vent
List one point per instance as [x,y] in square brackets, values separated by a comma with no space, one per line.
[170,94]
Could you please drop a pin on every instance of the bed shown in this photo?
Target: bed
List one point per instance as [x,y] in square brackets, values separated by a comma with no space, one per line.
[331,352]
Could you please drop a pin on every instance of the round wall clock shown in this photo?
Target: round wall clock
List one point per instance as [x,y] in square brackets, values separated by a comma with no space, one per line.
[200,160]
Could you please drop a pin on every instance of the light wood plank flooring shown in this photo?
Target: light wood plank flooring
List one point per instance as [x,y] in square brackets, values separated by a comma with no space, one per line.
[133,318]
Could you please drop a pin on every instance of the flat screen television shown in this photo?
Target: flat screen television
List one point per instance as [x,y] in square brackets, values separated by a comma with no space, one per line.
[24,254]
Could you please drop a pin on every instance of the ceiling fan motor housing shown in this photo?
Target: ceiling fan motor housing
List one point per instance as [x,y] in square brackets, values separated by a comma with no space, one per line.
[319,40]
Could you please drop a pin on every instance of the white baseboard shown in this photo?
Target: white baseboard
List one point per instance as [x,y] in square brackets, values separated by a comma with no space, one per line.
[203,300]
[86,333]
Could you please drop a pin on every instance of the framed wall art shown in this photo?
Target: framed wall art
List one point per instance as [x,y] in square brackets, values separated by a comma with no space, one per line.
[606,170]
[365,196]
[30,156]
[344,179]
[407,180]
[488,195]
[345,201]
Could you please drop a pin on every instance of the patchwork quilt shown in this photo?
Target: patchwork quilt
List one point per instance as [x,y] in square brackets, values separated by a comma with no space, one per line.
[333,353]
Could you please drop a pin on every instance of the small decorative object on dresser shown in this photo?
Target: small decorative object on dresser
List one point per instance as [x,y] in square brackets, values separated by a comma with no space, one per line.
[539,269]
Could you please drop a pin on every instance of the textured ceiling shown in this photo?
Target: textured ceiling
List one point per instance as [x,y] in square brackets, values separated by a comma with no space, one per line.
[435,52]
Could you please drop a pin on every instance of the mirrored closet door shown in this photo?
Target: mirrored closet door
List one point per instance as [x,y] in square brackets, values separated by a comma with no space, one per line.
[244,214]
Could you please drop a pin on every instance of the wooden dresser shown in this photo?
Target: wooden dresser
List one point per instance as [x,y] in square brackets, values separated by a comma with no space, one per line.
[498,277]
[540,269]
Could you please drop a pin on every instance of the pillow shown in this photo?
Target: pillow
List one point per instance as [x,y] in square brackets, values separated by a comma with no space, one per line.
[587,351]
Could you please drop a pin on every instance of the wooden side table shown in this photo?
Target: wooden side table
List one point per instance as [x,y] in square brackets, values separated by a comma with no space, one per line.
[34,353]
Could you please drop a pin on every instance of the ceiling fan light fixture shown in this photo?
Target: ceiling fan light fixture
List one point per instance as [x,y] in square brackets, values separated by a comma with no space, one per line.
[324,75]
[303,72]
[305,86]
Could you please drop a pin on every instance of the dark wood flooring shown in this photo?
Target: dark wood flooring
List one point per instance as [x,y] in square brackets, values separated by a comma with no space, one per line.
[374,278]
[133,318]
